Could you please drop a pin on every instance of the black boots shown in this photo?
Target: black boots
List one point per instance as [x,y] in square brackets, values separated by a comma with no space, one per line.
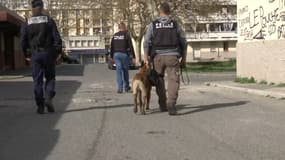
[163,109]
[41,109]
[120,91]
[49,105]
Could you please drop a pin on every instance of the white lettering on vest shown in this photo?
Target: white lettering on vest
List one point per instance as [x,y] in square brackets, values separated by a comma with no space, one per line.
[161,25]
[38,20]
[122,37]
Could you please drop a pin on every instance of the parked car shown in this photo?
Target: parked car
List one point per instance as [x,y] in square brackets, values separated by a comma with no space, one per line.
[69,60]
[112,65]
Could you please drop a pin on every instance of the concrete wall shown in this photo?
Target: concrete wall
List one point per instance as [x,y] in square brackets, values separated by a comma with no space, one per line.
[262,19]
[261,47]
[263,60]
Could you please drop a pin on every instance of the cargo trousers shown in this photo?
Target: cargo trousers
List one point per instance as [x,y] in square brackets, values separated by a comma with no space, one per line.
[43,66]
[170,65]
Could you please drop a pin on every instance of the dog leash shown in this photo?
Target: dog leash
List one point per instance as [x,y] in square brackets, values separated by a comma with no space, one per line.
[185,75]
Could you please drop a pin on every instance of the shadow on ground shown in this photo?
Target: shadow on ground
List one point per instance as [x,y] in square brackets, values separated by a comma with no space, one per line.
[61,70]
[24,134]
[202,108]
[98,107]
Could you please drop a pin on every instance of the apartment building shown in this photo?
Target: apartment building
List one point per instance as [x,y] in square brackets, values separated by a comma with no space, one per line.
[86,26]
[213,37]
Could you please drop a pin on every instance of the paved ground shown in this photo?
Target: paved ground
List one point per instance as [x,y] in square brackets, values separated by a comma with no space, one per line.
[268,91]
[94,123]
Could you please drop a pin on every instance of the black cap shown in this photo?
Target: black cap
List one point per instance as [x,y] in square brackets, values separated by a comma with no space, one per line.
[37,3]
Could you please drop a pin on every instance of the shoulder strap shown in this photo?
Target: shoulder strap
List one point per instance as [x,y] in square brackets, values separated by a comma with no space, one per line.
[154,27]
[127,38]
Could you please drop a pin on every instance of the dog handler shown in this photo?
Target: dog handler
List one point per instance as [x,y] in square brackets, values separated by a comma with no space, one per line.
[42,38]
[165,44]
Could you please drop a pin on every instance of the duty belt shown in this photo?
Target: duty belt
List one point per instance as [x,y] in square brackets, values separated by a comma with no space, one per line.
[39,49]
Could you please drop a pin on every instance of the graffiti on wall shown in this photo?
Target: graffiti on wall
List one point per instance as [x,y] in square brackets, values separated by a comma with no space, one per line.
[265,20]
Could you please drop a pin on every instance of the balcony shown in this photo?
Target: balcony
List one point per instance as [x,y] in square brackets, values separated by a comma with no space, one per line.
[84,42]
[211,36]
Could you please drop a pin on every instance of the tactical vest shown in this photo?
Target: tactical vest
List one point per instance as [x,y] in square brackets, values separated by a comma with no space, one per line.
[120,42]
[165,35]
[39,32]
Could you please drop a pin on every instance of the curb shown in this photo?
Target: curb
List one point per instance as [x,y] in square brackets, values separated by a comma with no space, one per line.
[269,94]
[11,77]
[19,76]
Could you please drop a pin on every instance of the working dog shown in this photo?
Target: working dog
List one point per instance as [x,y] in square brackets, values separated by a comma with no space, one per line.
[141,86]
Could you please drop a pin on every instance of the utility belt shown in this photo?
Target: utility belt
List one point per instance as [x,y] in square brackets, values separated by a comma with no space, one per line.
[39,49]
[153,52]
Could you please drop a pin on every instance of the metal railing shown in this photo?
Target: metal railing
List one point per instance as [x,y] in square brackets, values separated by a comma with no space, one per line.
[212,36]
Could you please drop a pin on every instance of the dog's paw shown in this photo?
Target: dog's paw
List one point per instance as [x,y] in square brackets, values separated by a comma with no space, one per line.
[143,113]
[135,110]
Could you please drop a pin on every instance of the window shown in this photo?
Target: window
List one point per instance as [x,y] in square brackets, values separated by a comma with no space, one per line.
[226,46]
[84,44]
[87,22]
[77,43]
[96,23]
[71,43]
[86,31]
[96,31]
[96,43]
[90,43]
[213,47]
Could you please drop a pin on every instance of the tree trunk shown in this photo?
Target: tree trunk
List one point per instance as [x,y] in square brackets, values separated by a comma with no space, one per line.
[138,50]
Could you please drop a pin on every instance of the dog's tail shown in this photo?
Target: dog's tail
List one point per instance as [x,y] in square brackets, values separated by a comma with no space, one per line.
[138,86]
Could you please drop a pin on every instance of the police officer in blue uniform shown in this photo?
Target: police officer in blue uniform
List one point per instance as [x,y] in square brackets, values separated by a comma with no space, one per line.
[42,45]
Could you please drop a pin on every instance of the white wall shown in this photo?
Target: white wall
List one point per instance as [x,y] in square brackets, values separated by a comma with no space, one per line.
[261,51]
[261,18]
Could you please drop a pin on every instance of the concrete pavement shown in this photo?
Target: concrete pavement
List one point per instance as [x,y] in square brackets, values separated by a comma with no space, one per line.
[94,123]
[255,89]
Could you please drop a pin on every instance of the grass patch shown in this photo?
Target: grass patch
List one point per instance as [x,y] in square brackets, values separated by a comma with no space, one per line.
[263,82]
[281,85]
[229,66]
[245,80]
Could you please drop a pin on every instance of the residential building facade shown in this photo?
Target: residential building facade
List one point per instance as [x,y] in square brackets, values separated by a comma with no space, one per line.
[213,37]
[86,24]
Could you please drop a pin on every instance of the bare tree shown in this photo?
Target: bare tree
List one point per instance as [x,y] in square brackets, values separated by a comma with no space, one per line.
[139,13]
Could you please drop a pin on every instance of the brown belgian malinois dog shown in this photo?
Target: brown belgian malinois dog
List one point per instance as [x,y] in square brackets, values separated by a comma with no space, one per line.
[142,89]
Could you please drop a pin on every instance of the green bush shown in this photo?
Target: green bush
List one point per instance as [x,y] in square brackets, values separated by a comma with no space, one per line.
[263,82]
[244,80]
[281,85]
[229,66]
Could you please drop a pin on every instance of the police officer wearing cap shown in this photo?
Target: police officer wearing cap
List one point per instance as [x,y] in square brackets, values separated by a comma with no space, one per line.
[42,45]
[164,45]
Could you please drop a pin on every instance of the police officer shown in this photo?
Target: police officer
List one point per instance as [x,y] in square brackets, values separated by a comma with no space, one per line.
[122,52]
[164,45]
[41,44]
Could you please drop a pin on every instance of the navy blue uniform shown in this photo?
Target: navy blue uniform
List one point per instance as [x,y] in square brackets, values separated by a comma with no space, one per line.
[42,40]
